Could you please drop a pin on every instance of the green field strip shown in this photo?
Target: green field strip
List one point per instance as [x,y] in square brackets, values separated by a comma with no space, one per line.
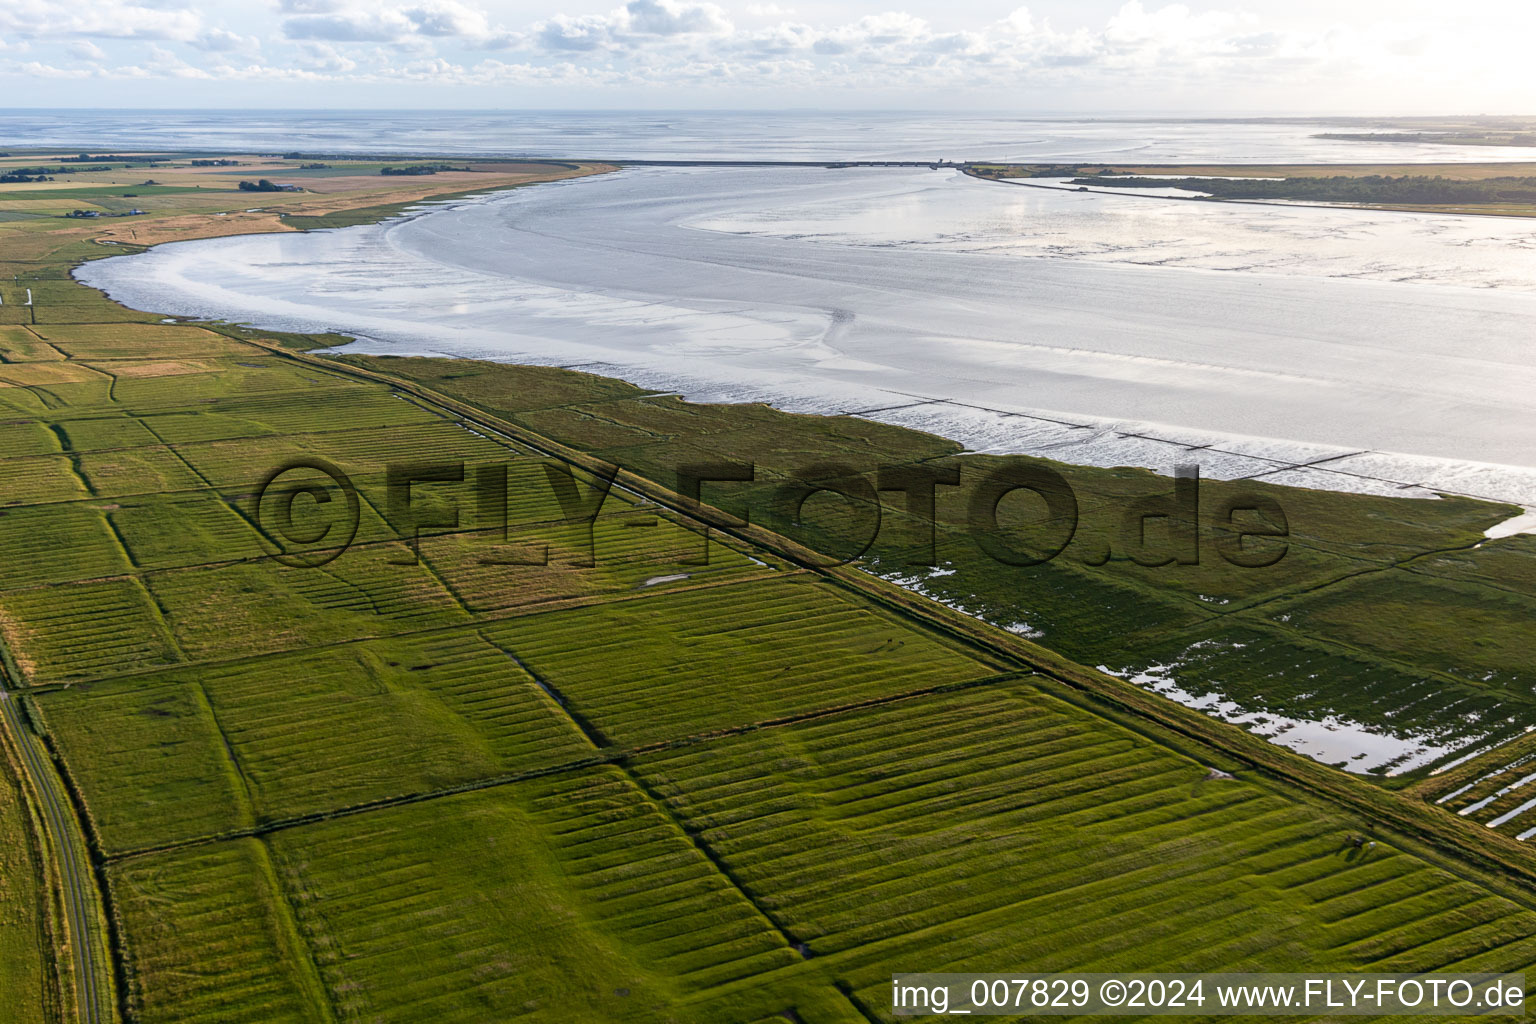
[314,411]
[363,729]
[87,193]
[83,630]
[148,760]
[239,782]
[301,748]
[160,532]
[529,889]
[125,472]
[58,301]
[251,608]
[705,662]
[25,437]
[130,341]
[208,940]
[1508,943]
[152,388]
[104,432]
[21,402]
[358,451]
[57,544]
[410,550]
[157,523]
[626,558]
[18,344]
[1479,776]
[39,478]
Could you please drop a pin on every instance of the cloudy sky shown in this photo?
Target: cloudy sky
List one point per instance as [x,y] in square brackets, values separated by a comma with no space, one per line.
[1260,56]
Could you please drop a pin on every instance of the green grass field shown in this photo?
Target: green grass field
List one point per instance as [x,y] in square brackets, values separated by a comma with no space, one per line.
[601,770]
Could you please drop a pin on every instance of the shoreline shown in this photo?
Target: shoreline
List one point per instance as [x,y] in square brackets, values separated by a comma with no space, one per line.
[1113,441]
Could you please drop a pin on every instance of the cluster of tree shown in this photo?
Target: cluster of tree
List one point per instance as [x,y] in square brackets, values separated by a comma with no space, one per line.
[215,163]
[314,167]
[135,212]
[21,176]
[262,185]
[49,171]
[420,169]
[85,158]
[1370,188]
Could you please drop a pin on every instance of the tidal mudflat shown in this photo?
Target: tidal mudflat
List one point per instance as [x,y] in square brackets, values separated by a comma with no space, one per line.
[1346,349]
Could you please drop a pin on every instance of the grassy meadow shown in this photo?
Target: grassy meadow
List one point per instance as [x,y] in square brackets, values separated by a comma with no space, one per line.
[540,749]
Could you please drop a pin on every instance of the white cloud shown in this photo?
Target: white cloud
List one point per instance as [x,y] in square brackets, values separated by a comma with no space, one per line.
[634,24]
[448,18]
[404,25]
[356,25]
[310,6]
[1021,22]
[668,18]
[218,40]
[588,32]
[1144,48]
[37,69]
[323,57]
[783,38]
[99,19]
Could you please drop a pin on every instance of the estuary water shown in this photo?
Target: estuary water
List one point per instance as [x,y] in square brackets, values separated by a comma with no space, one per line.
[1345,349]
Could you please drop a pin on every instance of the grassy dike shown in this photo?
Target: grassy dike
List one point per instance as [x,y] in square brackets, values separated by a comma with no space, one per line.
[651,789]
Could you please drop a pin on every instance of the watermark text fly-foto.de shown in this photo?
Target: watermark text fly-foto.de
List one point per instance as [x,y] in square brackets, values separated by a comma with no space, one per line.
[1015,512]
